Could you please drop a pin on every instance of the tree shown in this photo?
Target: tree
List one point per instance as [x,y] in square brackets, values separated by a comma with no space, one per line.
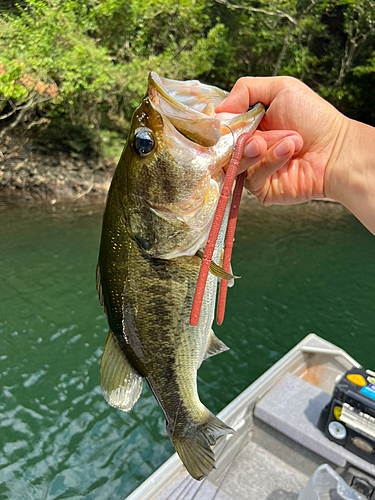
[81,66]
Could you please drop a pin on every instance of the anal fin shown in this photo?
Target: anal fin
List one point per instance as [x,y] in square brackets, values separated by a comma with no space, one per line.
[214,346]
[121,384]
[231,282]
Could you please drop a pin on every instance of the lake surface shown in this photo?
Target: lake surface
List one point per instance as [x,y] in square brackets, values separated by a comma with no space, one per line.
[307,268]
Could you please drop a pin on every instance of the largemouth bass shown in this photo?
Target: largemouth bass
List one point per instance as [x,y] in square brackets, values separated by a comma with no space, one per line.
[159,210]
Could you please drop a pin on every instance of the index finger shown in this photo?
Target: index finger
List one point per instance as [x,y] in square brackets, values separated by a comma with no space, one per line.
[249,90]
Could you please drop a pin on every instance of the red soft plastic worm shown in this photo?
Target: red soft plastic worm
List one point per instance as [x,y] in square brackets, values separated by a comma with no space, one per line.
[228,246]
[215,228]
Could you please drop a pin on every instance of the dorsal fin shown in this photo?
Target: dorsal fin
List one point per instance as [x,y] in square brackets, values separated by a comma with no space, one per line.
[121,384]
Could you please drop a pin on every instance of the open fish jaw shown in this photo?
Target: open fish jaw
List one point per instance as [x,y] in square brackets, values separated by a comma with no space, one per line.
[198,127]
[190,107]
[191,94]
[201,143]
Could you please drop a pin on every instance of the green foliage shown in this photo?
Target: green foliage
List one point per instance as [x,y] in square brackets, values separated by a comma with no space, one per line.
[9,88]
[83,64]
[45,39]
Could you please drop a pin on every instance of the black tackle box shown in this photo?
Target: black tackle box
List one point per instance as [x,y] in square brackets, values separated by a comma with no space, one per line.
[349,418]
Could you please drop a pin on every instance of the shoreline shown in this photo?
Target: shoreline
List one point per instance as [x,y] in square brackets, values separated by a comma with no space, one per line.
[31,173]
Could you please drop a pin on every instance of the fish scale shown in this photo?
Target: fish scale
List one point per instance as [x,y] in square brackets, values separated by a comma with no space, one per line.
[158,214]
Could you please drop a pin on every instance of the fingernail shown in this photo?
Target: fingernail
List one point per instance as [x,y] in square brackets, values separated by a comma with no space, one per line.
[297,141]
[282,149]
[222,102]
[252,150]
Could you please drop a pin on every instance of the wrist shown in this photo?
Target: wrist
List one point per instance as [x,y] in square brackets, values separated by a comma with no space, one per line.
[350,172]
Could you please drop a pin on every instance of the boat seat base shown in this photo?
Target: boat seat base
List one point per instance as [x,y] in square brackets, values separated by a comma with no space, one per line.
[293,407]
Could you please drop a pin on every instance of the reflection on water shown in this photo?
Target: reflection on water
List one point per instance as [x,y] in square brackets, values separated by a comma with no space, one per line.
[305,268]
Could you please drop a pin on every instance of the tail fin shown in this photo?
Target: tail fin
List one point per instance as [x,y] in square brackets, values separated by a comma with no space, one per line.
[194,447]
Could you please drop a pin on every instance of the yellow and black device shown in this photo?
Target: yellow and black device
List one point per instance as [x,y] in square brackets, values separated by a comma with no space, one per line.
[349,418]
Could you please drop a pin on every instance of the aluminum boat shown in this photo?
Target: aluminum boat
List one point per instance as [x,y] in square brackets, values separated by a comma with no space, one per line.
[277,446]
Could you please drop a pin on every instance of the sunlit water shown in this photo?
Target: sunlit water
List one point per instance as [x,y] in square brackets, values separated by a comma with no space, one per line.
[307,268]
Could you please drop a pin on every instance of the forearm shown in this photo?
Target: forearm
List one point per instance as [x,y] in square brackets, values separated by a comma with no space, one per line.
[350,174]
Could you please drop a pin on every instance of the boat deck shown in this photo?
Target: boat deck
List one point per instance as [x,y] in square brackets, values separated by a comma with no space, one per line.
[277,446]
[267,465]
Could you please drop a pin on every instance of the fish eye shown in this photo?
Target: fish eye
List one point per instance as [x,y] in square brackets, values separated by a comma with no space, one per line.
[144,141]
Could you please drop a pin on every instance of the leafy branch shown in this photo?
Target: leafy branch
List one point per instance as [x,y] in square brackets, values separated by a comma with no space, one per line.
[276,12]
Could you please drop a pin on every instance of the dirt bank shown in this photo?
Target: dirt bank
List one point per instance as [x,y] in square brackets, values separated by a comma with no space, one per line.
[34,172]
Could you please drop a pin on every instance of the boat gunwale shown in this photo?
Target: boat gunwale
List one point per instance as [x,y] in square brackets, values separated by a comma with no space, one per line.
[311,345]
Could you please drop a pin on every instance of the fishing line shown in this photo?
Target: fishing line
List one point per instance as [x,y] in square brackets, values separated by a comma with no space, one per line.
[233,137]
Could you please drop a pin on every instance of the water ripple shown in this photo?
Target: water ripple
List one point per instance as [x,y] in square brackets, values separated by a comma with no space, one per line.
[307,268]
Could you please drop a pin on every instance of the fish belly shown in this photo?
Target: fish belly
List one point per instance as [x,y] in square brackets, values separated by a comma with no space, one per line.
[148,303]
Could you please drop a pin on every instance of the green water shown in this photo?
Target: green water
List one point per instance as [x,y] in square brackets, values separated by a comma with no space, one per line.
[307,268]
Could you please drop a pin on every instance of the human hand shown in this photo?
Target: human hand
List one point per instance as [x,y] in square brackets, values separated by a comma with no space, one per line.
[289,160]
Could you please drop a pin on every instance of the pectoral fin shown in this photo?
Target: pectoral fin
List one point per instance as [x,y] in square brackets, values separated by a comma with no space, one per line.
[214,346]
[230,282]
[121,384]
[216,270]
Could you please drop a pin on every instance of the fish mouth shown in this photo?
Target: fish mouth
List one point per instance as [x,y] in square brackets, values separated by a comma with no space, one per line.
[190,107]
